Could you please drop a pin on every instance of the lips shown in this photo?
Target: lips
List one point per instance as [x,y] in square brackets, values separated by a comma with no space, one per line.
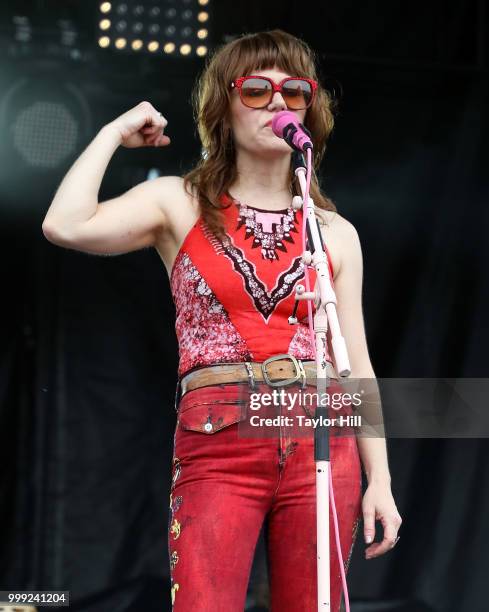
[268,123]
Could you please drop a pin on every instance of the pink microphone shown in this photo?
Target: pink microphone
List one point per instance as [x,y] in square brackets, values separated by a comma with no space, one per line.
[286,125]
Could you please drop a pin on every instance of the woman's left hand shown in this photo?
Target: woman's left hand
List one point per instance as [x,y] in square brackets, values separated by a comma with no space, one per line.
[378,504]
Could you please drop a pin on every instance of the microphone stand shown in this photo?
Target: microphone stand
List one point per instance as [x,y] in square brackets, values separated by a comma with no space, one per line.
[324,300]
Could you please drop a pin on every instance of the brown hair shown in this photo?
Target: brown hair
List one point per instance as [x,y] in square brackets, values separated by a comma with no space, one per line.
[215,172]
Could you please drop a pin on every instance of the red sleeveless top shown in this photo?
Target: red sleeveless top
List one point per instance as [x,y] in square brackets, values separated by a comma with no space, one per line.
[233,296]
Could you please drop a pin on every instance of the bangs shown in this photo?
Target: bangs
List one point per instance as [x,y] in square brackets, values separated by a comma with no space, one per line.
[264,51]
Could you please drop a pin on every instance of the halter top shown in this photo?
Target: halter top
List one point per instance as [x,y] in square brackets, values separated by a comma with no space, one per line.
[233,297]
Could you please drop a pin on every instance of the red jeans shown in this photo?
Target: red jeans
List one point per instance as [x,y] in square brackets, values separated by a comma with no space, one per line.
[223,487]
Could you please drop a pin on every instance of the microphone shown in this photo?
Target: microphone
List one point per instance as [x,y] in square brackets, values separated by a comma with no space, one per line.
[286,125]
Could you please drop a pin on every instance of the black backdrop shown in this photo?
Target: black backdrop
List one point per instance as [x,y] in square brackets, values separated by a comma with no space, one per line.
[88,361]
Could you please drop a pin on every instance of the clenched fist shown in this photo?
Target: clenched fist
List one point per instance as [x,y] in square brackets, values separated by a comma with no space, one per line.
[141,126]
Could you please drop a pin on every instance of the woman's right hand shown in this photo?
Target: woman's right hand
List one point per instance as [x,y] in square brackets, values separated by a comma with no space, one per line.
[141,126]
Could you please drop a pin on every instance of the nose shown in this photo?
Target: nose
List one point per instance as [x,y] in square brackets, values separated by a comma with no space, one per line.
[277,102]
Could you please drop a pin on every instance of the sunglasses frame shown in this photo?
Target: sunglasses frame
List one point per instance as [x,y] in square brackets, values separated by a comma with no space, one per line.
[237,83]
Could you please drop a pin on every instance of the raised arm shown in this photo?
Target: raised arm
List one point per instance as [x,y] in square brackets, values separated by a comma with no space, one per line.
[131,221]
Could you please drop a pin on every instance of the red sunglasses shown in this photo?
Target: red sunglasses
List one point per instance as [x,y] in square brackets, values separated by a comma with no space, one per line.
[258,91]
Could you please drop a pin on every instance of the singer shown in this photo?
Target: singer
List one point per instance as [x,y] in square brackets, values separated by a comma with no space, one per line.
[231,243]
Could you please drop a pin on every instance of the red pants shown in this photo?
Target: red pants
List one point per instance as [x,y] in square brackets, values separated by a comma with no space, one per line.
[223,487]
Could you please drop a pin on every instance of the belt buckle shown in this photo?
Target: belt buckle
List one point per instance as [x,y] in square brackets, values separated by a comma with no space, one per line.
[281,383]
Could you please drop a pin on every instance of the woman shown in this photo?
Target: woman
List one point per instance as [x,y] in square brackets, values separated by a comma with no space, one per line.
[231,244]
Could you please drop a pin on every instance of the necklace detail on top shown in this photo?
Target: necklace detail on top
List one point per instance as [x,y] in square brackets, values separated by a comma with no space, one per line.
[270,229]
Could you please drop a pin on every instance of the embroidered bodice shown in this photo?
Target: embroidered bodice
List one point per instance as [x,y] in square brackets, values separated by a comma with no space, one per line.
[233,297]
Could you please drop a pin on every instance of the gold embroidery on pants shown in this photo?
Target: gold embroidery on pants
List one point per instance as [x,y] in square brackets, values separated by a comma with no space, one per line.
[173,559]
[174,589]
[178,502]
[176,470]
[175,529]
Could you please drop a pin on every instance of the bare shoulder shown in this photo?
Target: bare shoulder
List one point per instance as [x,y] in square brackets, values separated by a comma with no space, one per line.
[341,238]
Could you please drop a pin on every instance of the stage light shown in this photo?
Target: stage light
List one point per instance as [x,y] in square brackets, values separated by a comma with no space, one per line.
[201,51]
[148,25]
[153,173]
[120,43]
[104,41]
[23,28]
[69,33]
[30,35]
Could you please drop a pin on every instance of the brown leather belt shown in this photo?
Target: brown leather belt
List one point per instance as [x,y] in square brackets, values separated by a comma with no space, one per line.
[277,371]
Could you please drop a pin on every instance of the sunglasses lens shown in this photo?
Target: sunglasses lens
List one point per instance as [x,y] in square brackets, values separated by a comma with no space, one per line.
[297,93]
[256,92]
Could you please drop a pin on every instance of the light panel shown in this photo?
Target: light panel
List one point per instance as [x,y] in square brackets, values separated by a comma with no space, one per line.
[175,27]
